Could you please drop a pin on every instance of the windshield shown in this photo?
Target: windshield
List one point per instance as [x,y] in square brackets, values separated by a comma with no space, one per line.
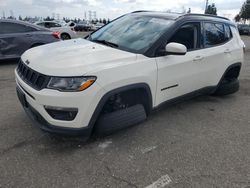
[133,33]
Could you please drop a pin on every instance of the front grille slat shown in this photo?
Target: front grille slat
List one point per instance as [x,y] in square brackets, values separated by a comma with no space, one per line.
[34,79]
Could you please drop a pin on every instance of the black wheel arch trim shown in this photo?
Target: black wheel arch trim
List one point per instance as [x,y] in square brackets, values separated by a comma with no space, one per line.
[238,64]
[104,99]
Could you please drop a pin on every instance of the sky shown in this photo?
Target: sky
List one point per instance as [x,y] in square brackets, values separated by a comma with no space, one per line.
[111,8]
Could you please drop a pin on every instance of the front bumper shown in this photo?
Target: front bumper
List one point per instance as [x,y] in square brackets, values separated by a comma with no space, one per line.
[86,103]
[45,126]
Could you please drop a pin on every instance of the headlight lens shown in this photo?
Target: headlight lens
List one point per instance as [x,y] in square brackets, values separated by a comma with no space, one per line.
[71,83]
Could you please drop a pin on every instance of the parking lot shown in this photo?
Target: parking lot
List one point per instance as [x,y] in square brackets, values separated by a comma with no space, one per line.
[203,142]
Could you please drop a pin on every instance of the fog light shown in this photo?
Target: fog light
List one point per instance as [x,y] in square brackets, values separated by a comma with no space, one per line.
[59,113]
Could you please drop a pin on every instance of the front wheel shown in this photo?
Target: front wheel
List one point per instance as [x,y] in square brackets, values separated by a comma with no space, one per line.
[228,87]
[120,119]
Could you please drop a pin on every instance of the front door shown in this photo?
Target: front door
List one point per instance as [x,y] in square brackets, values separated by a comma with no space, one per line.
[181,74]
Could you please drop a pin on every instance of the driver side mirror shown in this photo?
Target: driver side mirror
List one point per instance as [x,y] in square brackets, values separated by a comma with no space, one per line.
[174,48]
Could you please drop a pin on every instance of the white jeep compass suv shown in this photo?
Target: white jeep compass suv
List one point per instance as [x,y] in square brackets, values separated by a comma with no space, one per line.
[119,73]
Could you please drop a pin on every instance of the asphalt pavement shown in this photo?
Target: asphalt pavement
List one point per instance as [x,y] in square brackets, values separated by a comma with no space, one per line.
[202,142]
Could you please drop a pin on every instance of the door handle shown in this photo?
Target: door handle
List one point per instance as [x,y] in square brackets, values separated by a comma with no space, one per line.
[227,51]
[198,58]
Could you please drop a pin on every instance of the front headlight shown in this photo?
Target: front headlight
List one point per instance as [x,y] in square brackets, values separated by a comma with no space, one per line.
[71,83]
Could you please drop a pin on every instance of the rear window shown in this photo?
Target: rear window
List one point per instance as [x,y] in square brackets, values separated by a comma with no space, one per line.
[8,28]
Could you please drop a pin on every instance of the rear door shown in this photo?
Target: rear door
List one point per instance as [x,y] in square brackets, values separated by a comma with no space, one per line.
[14,39]
[234,46]
[216,52]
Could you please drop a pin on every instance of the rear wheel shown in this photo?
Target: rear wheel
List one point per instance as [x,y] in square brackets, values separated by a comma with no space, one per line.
[65,36]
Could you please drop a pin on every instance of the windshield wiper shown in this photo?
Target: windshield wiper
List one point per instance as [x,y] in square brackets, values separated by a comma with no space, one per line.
[111,44]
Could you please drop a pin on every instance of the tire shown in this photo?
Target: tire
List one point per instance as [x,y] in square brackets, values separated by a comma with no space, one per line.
[228,87]
[65,36]
[121,119]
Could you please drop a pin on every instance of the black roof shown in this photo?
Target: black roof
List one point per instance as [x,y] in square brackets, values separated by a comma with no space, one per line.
[23,23]
[178,16]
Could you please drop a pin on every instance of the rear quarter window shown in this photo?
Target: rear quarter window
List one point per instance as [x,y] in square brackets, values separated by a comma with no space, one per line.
[228,32]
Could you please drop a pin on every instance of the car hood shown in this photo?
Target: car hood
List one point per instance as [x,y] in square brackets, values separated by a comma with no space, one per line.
[74,58]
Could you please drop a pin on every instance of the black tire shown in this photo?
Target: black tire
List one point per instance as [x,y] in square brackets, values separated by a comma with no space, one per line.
[124,118]
[228,87]
[65,36]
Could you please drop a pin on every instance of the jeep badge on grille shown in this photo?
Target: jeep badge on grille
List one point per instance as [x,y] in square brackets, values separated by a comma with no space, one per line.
[27,62]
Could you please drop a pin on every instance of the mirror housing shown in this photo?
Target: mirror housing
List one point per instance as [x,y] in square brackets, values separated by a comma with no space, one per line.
[174,48]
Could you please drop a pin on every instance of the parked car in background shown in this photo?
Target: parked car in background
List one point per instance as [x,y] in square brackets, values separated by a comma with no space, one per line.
[17,36]
[97,26]
[71,24]
[244,29]
[66,32]
[83,26]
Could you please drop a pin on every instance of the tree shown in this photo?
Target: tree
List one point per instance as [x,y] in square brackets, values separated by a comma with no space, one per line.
[48,18]
[237,18]
[20,18]
[245,10]
[211,9]
[104,21]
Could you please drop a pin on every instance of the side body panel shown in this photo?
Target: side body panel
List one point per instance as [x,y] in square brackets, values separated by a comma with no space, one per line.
[14,45]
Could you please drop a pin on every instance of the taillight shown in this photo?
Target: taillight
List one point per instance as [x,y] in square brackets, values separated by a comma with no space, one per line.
[56,35]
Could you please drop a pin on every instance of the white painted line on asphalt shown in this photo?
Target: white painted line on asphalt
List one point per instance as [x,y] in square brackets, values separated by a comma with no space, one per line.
[148,149]
[161,182]
[105,144]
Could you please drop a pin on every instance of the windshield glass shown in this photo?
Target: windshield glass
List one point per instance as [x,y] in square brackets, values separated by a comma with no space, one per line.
[133,33]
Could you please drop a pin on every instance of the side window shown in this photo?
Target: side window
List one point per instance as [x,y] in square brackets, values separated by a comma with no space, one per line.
[8,28]
[187,35]
[41,24]
[54,25]
[47,25]
[228,32]
[214,34]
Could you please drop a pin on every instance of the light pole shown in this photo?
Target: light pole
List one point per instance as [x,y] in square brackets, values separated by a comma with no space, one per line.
[206,6]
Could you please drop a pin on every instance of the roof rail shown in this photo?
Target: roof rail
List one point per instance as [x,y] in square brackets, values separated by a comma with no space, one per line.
[206,15]
[137,11]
